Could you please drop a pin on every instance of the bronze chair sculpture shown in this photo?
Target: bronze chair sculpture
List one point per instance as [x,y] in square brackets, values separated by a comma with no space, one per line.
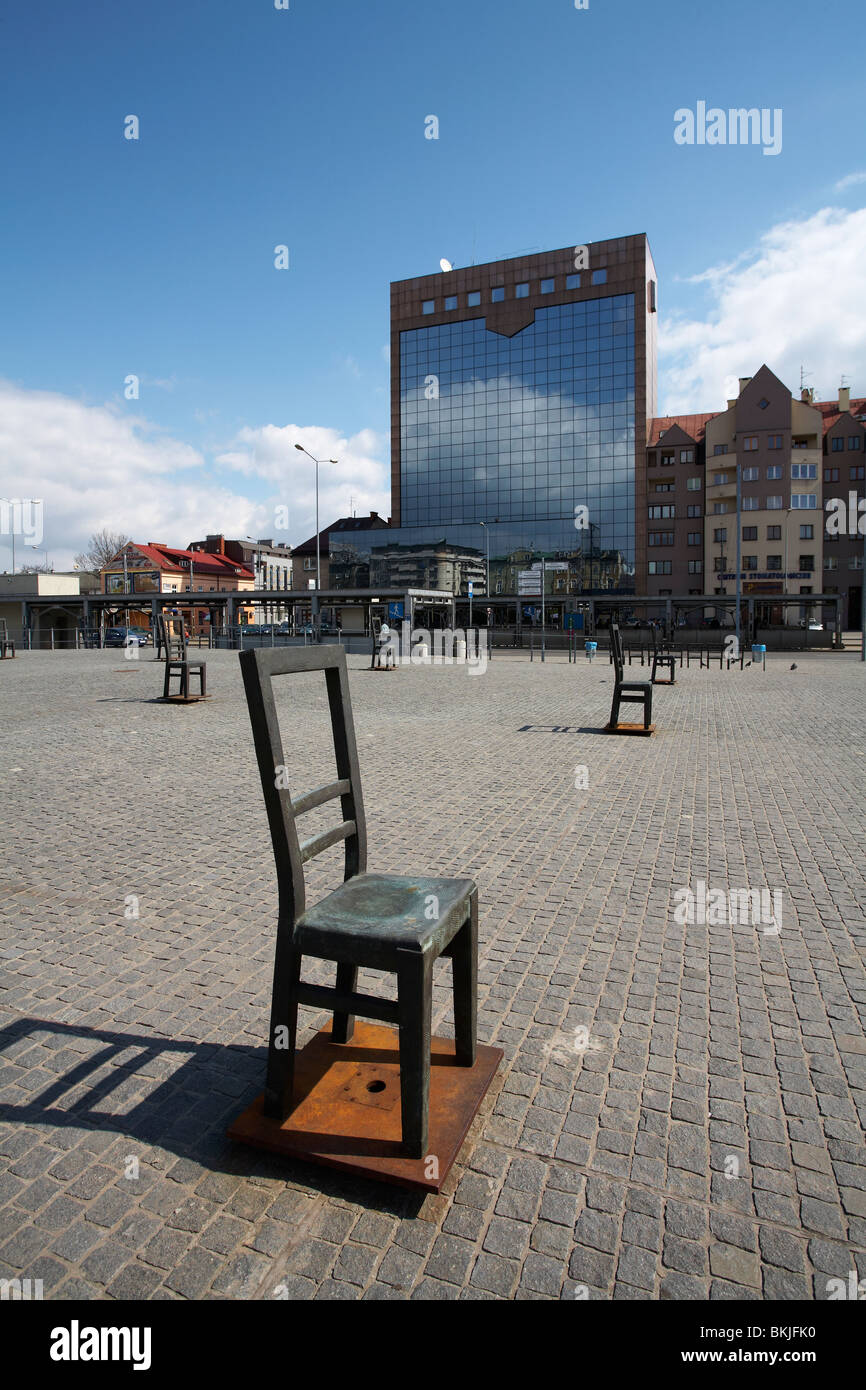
[177,663]
[393,922]
[637,692]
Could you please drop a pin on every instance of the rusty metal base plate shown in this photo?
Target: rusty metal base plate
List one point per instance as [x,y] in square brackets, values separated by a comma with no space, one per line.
[629,729]
[183,699]
[347,1111]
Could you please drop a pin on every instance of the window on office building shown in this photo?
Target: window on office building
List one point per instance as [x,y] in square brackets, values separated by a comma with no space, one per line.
[750,443]
[856,472]
[774,441]
[807,532]
[450,301]
[774,533]
[693,484]
[599,277]
[837,444]
[774,504]
[572,282]
[661,537]
[751,504]
[719,508]
[428,306]
[696,538]
[774,562]
[750,533]
[853,441]
[804,501]
[687,455]
[750,562]
[548,286]
[473,298]
[719,479]
[720,449]
[720,535]
[751,475]
[774,470]
[693,509]
[659,567]
[831,562]
[521,291]
[800,443]
[720,563]
[807,562]
[696,566]
[831,475]
[662,513]
[497,294]
[804,470]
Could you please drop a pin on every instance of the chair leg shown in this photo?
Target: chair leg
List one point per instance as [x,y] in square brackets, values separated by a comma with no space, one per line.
[203,675]
[464,971]
[415,1006]
[343,1025]
[280,1079]
[165,685]
[614,711]
[648,709]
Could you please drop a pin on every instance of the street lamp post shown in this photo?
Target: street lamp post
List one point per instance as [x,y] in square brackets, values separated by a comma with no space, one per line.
[487,568]
[318,554]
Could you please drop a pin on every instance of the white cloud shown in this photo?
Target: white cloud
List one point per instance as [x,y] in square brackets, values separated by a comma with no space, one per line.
[797,299]
[849,181]
[360,478]
[96,466]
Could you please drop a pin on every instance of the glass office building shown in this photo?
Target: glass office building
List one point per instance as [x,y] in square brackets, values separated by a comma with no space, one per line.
[520,394]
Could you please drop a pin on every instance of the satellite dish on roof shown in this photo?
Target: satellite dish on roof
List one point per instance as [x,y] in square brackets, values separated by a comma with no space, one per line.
[446,265]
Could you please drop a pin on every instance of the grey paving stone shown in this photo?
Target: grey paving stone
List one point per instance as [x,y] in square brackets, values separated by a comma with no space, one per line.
[705,1044]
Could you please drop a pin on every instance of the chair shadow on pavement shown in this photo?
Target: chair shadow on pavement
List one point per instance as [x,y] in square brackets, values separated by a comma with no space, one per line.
[187,1111]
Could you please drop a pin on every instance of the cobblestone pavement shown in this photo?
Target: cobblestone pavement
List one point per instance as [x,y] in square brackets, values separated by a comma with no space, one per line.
[705,1142]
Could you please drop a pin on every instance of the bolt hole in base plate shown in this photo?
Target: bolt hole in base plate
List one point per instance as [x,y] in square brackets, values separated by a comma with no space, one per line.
[338,1122]
[375,1085]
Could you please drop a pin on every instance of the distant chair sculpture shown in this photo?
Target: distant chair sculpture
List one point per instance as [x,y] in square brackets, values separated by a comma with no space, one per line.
[172,637]
[663,657]
[398,923]
[7,647]
[636,692]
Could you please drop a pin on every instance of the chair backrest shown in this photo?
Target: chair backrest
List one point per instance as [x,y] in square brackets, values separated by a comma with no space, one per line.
[4,631]
[616,648]
[656,634]
[172,637]
[259,668]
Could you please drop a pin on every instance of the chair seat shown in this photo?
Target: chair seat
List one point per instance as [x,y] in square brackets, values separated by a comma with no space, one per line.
[635,685]
[367,919]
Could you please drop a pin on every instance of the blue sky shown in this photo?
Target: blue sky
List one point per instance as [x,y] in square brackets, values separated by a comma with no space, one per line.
[305,127]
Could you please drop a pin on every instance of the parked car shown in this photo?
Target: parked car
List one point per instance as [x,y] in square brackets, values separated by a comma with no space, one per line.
[127,637]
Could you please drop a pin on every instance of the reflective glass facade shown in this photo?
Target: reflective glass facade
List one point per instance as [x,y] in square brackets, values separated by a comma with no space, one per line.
[519,431]
[419,557]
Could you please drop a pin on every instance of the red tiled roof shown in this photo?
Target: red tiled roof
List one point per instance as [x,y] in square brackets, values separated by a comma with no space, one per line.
[692,425]
[830,411]
[203,562]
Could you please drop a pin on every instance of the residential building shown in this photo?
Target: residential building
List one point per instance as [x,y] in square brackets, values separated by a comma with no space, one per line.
[156,568]
[271,564]
[794,456]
